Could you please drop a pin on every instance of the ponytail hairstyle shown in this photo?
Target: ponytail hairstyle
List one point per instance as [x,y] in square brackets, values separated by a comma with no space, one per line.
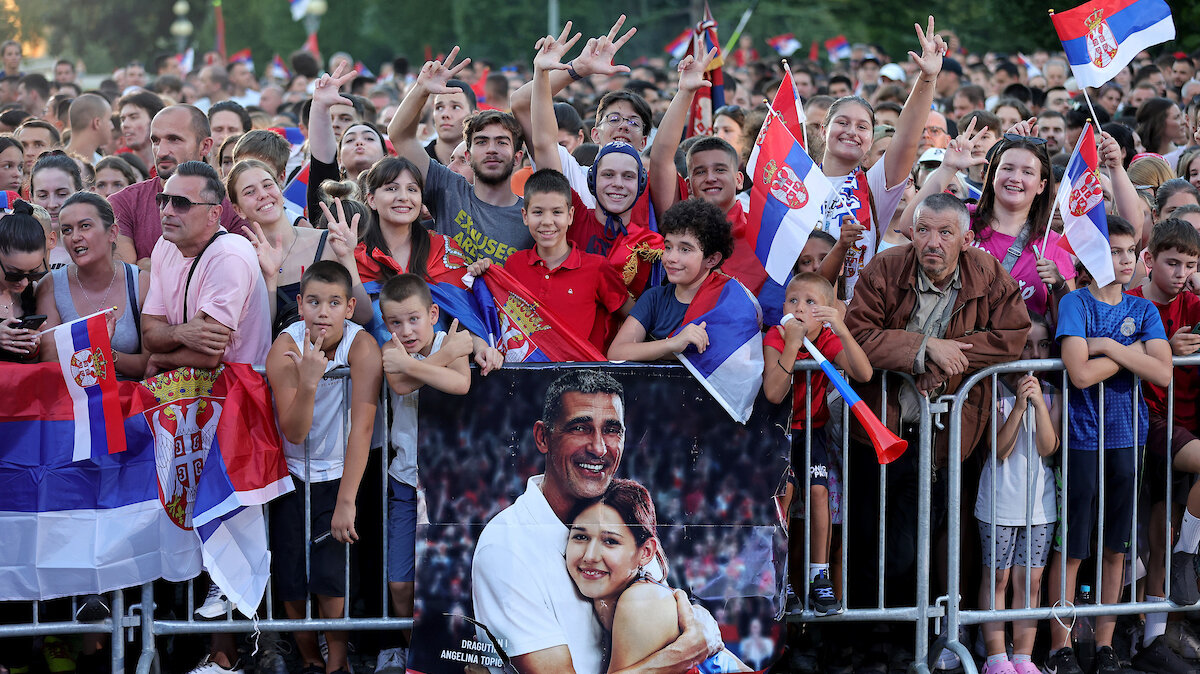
[383,172]
[20,231]
[349,193]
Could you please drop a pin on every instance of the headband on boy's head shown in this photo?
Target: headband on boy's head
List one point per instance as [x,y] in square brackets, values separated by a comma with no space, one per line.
[613,225]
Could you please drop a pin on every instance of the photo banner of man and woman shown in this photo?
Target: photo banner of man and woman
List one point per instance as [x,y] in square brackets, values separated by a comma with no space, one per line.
[566,506]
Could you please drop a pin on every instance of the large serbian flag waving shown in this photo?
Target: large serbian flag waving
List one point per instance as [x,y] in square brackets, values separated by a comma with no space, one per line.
[1101,37]
[1081,203]
[786,196]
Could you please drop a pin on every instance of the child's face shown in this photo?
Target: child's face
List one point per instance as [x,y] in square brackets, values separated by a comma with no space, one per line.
[617,182]
[1124,256]
[813,254]
[1169,270]
[412,322]
[684,260]
[547,215]
[324,307]
[799,300]
[1037,343]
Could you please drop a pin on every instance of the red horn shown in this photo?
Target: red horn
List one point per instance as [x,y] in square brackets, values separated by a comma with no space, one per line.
[888,447]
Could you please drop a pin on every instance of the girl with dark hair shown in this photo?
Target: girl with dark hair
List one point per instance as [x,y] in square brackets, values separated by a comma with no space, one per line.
[615,558]
[285,250]
[11,164]
[1163,129]
[114,174]
[22,263]
[332,157]
[1125,140]
[95,281]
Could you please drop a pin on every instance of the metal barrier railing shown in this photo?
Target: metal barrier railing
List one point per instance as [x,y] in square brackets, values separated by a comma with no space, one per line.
[1061,605]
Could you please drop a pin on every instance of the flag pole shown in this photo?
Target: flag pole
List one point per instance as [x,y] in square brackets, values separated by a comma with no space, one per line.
[1054,204]
[787,70]
[737,32]
[81,318]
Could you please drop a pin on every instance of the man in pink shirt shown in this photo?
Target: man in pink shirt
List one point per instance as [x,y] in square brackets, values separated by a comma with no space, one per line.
[178,134]
[207,302]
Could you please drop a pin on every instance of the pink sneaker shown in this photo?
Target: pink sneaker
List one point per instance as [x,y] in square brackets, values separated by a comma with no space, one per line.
[1027,668]
[1005,667]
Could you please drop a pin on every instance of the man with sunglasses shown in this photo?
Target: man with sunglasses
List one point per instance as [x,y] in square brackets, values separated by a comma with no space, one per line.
[207,302]
[178,134]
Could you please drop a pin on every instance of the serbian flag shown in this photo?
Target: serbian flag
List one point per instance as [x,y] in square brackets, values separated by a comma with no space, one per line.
[1081,202]
[838,48]
[186,61]
[299,9]
[7,199]
[296,191]
[242,56]
[293,135]
[362,69]
[731,367]
[785,44]
[86,360]
[80,526]
[278,69]
[1101,37]
[789,106]
[786,196]
[678,48]
[530,332]
[708,99]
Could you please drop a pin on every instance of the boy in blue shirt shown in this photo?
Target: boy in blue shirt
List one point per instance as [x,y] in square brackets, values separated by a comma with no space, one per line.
[1111,337]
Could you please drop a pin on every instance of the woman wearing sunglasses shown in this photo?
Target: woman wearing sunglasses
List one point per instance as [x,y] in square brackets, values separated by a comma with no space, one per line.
[95,281]
[23,263]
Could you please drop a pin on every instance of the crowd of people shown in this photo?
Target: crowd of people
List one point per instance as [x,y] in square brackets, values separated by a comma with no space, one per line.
[297,224]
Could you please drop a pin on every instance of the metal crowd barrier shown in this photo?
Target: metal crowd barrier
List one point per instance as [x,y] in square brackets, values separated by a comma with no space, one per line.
[1061,606]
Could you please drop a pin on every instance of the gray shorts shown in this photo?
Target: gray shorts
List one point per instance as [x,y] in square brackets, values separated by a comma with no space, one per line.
[1009,547]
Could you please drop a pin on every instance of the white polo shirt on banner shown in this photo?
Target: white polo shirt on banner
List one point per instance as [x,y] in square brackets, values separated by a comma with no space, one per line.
[521,588]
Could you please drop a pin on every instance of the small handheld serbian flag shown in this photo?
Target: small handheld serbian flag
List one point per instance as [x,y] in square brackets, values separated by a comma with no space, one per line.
[731,367]
[678,47]
[86,358]
[278,69]
[296,191]
[1101,37]
[244,57]
[838,48]
[785,44]
[1081,202]
[786,196]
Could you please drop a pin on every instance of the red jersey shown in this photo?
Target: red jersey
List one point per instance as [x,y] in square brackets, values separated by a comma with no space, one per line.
[830,346]
[1182,311]
[630,254]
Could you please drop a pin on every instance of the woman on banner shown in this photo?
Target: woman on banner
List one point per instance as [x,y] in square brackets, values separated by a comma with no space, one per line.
[94,280]
[864,201]
[22,263]
[616,560]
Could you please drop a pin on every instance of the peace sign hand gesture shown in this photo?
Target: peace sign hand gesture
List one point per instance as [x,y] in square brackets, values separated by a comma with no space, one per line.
[326,93]
[598,53]
[691,71]
[435,74]
[343,236]
[960,153]
[311,361]
[933,48]
[270,257]
[551,50]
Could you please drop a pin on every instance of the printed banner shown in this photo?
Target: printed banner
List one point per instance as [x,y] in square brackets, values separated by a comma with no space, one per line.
[565,504]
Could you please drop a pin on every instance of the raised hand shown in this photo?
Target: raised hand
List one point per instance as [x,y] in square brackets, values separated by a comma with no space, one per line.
[960,153]
[598,53]
[457,342]
[343,236]
[1109,151]
[850,232]
[435,74]
[933,48]
[691,71]
[551,50]
[327,91]
[1025,127]
[397,360]
[270,257]
[311,361]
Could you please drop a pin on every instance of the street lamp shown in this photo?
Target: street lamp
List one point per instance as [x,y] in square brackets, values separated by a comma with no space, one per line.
[312,19]
[181,28]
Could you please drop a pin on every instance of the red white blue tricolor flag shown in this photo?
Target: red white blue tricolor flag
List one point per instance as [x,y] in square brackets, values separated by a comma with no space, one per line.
[789,106]
[1101,37]
[785,44]
[1081,203]
[786,196]
[678,47]
[85,356]
[732,365]
[838,48]
[299,9]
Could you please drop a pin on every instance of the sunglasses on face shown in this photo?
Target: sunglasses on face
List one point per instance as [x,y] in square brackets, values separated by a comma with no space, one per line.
[179,204]
[1016,138]
[15,275]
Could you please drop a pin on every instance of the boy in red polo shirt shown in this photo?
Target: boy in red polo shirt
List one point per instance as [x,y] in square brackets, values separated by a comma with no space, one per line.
[581,288]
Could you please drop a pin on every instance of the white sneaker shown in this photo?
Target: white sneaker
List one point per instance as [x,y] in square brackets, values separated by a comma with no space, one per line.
[207,666]
[392,661]
[215,604]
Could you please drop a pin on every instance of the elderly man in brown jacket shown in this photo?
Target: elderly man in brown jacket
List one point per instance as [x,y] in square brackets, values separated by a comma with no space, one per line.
[938,310]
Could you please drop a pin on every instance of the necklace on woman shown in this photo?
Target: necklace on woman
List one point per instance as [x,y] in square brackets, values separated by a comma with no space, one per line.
[295,238]
[104,297]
